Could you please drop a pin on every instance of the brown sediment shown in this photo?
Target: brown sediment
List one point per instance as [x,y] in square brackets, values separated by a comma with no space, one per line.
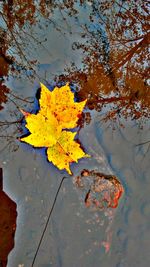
[8,215]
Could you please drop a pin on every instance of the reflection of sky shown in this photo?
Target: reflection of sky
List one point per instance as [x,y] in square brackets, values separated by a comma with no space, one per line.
[50,44]
[53,55]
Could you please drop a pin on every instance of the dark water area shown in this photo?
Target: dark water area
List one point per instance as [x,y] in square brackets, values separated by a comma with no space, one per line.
[8,216]
[101,215]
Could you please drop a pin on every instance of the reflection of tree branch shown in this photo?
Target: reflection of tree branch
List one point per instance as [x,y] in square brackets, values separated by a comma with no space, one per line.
[38,42]
[5,146]
[13,102]
[123,41]
[130,53]
[8,136]
[64,19]
[9,140]
[22,99]
[117,17]
[18,46]
[131,14]
[3,123]
[24,57]
[113,99]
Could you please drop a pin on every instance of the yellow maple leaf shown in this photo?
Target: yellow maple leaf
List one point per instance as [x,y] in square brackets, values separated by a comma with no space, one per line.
[65,151]
[44,131]
[60,103]
[57,112]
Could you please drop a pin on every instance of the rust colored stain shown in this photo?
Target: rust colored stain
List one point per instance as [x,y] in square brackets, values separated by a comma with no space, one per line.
[100,193]
[8,215]
[101,190]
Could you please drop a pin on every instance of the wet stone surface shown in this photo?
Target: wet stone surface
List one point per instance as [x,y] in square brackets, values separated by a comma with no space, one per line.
[101,191]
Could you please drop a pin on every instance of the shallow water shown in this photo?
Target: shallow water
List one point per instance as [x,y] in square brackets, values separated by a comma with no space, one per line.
[76,235]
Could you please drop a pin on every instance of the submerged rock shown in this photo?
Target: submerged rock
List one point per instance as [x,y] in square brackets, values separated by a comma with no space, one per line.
[101,190]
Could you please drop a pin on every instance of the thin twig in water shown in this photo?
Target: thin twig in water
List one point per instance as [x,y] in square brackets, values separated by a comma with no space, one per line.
[48,219]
